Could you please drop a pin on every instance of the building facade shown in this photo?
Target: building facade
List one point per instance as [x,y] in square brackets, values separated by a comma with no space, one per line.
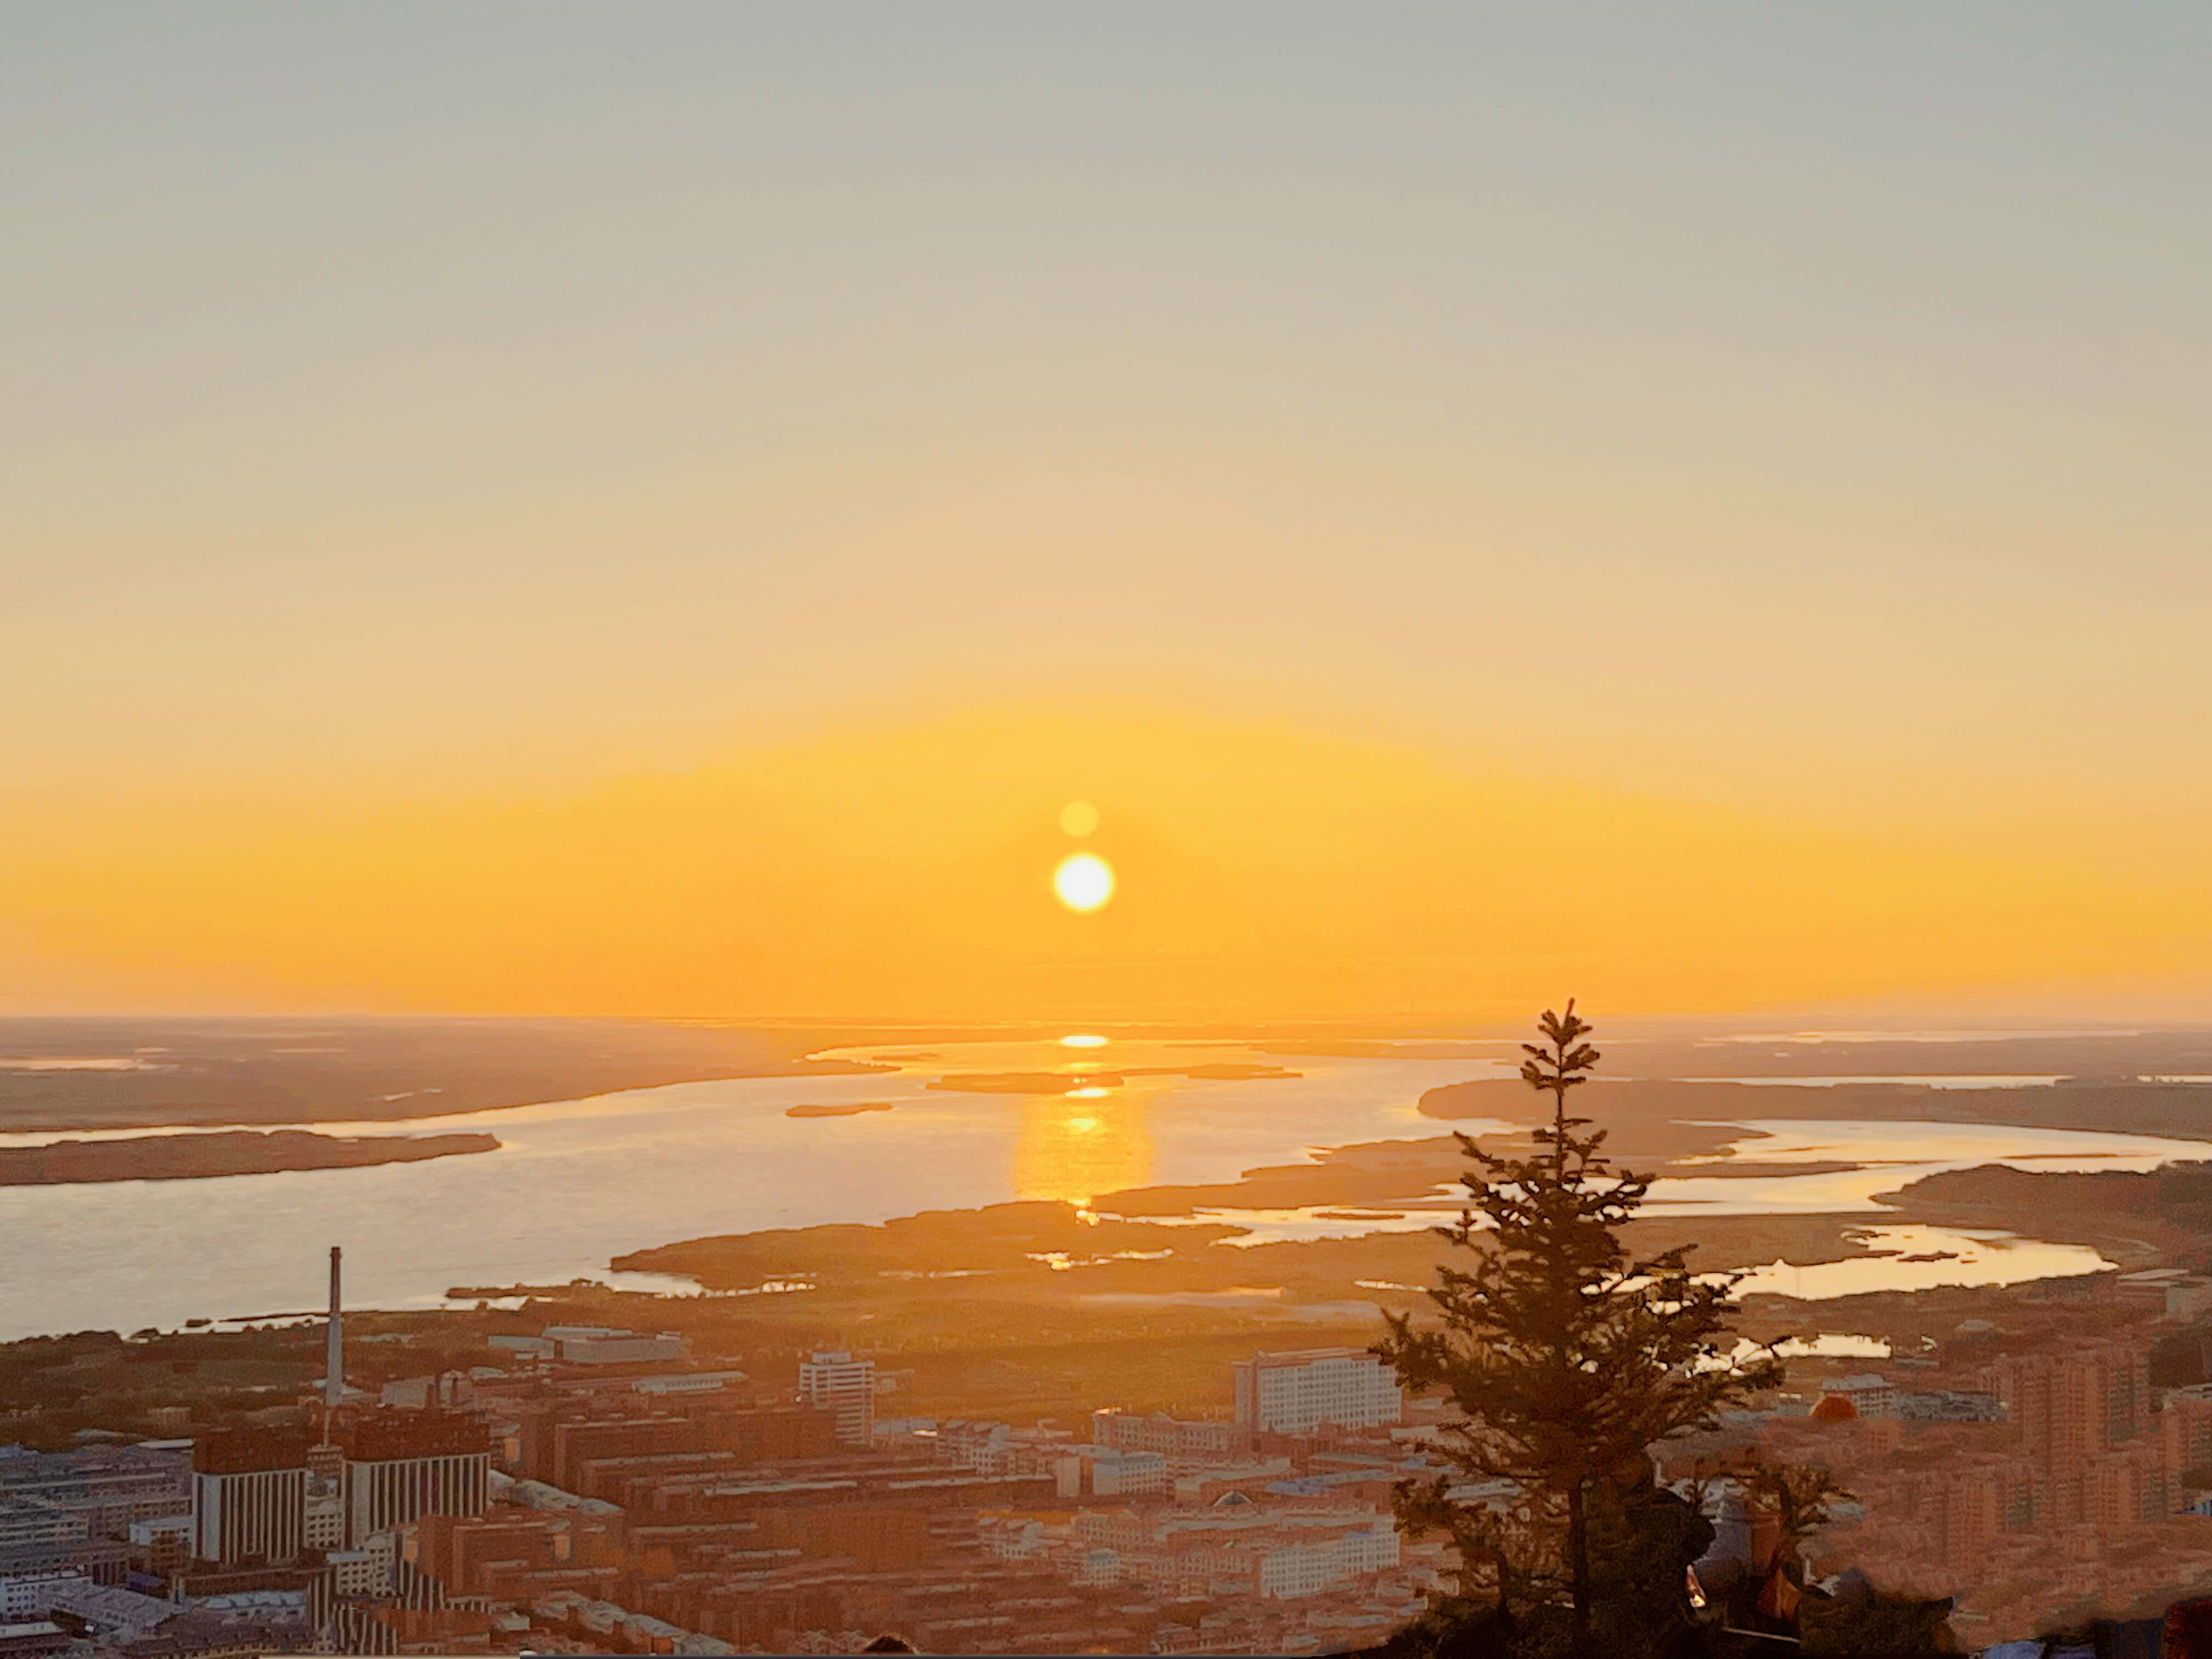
[1298,1392]
[1184,1439]
[1109,1472]
[845,1388]
[266,1496]
[95,1493]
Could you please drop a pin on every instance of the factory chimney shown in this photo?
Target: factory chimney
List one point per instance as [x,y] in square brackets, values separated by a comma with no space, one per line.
[334,1358]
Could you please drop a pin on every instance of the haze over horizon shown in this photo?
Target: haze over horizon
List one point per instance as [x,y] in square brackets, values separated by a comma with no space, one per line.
[500,523]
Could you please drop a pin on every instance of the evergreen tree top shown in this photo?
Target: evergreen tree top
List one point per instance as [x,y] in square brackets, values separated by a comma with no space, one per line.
[1568,1355]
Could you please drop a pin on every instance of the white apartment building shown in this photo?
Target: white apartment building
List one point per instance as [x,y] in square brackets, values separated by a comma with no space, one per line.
[845,1388]
[391,1492]
[249,1514]
[1009,1537]
[982,1448]
[1870,1396]
[1185,1439]
[1298,1392]
[1108,1471]
[253,1501]
[1310,1568]
[1245,1549]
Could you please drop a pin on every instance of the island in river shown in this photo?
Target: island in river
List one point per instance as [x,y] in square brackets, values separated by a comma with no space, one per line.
[65,1075]
[232,1153]
[1660,1109]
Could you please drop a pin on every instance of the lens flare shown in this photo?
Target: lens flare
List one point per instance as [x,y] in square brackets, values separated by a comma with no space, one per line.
[1078,819]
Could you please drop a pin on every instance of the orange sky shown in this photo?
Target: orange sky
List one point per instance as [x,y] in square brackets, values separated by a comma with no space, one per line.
[1266,870]
[658,517]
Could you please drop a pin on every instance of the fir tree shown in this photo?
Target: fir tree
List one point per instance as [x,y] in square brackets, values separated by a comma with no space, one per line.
[1568,1358]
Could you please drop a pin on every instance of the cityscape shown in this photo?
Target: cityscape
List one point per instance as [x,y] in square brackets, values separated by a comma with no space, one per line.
[602,1490]
[526,1475]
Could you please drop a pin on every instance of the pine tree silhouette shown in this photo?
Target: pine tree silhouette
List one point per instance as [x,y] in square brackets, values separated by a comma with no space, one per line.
[1568,1359]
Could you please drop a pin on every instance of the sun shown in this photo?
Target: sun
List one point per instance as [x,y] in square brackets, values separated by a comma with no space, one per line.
[1084,882]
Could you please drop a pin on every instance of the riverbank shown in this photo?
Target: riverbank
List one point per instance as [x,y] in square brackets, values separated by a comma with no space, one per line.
[234,1152]
[78,1075]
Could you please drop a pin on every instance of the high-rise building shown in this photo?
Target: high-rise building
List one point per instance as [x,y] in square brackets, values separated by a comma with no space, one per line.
[249,1496]
[2073,1408]
[267,1495]
[844,1387]
[401,1466]
[2186,1435]
[1298,1392]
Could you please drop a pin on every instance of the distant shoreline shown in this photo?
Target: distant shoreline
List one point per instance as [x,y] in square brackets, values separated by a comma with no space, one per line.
[233,1152]
[192,1075]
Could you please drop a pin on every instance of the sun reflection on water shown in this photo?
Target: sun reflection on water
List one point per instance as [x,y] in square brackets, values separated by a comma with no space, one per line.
[1073,1146]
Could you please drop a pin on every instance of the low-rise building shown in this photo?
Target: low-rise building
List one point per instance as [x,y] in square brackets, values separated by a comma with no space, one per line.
[1109,1472]
[31,1595]
[1178,1439]
[1300,1567]
[37,1536]
[92,1494]
[1950,1405]
[34,1638]
[605,1348]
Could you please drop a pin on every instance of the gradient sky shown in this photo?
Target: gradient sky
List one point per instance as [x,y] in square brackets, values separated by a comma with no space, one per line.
[458,459]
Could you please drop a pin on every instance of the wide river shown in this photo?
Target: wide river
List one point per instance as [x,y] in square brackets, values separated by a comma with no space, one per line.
[578,1182]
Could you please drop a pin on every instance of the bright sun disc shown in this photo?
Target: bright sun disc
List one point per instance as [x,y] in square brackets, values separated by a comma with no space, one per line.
[1084,882]
[1083,1040]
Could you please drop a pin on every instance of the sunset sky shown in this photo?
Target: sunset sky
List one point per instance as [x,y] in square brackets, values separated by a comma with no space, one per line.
[658,510]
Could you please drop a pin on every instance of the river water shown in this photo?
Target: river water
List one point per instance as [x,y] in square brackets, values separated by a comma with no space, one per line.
[578,1182]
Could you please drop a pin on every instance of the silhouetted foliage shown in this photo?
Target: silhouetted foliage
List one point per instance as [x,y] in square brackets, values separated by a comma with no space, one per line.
[1874,1626]
[1568,1358]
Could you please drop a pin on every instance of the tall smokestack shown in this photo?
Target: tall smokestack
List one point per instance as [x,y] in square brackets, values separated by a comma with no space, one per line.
[334,1358]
